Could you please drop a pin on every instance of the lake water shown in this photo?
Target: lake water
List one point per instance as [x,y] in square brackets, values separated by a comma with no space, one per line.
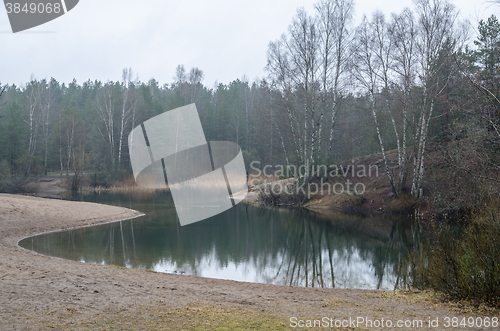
[246,243]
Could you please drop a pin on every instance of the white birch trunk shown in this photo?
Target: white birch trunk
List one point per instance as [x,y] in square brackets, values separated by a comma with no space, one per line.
[381,142]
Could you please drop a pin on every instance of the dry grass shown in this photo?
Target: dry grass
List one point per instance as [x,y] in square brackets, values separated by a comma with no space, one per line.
[159,317]
[120,189]
[434,299]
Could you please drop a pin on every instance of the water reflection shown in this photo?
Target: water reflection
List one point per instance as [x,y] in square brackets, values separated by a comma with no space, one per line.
[245,243]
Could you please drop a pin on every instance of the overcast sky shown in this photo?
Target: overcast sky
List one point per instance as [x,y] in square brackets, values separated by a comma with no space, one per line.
[227,39]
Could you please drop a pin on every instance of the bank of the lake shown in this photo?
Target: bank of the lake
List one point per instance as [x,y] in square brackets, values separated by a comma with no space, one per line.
[41,292]
[362,185]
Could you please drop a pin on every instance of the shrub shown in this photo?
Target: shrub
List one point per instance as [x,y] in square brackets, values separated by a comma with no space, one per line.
[14,184]
[462,262]
[282,193]
[406,204]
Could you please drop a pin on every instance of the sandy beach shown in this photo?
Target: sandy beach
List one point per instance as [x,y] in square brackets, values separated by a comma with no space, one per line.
[39,292]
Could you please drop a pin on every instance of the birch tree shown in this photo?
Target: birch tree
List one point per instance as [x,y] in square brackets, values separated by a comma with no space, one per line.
[368,70]
[403,34]
[128,108]
[437,29]
[303,47]
[105,108]
[405,54]
[195,78]
[47,106]
[280,72]
[308,65]
[293,63]
[33,93]
[334,24]
[69,128]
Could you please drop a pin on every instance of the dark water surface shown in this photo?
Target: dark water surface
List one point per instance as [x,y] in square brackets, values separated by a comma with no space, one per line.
[246,243]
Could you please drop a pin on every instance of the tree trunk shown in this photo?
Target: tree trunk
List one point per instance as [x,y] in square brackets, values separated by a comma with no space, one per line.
[384,156]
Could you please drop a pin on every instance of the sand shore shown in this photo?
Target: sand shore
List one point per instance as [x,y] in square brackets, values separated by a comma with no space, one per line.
[39,292]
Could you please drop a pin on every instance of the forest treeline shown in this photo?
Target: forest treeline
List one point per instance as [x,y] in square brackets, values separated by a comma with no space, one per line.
[334,91]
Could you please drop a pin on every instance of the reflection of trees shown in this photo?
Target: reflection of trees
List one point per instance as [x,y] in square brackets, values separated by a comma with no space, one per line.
[415,248]
[304,261]
[304,265]
[278,246]
[394,251]
[316,250]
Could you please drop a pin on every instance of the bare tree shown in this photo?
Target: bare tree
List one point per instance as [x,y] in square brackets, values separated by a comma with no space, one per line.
[293,63]
[104,105]
[33,93]
[46,109]
[403,34]
[128,107]
[280,72]
[180,74]
[405,55]
[134,101]
[370,70]
[307,65]
[437,30]
[334,23]
[70,126]
[195,79]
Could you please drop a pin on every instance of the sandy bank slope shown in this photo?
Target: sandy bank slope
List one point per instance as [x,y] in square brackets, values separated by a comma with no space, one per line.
[40,292]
